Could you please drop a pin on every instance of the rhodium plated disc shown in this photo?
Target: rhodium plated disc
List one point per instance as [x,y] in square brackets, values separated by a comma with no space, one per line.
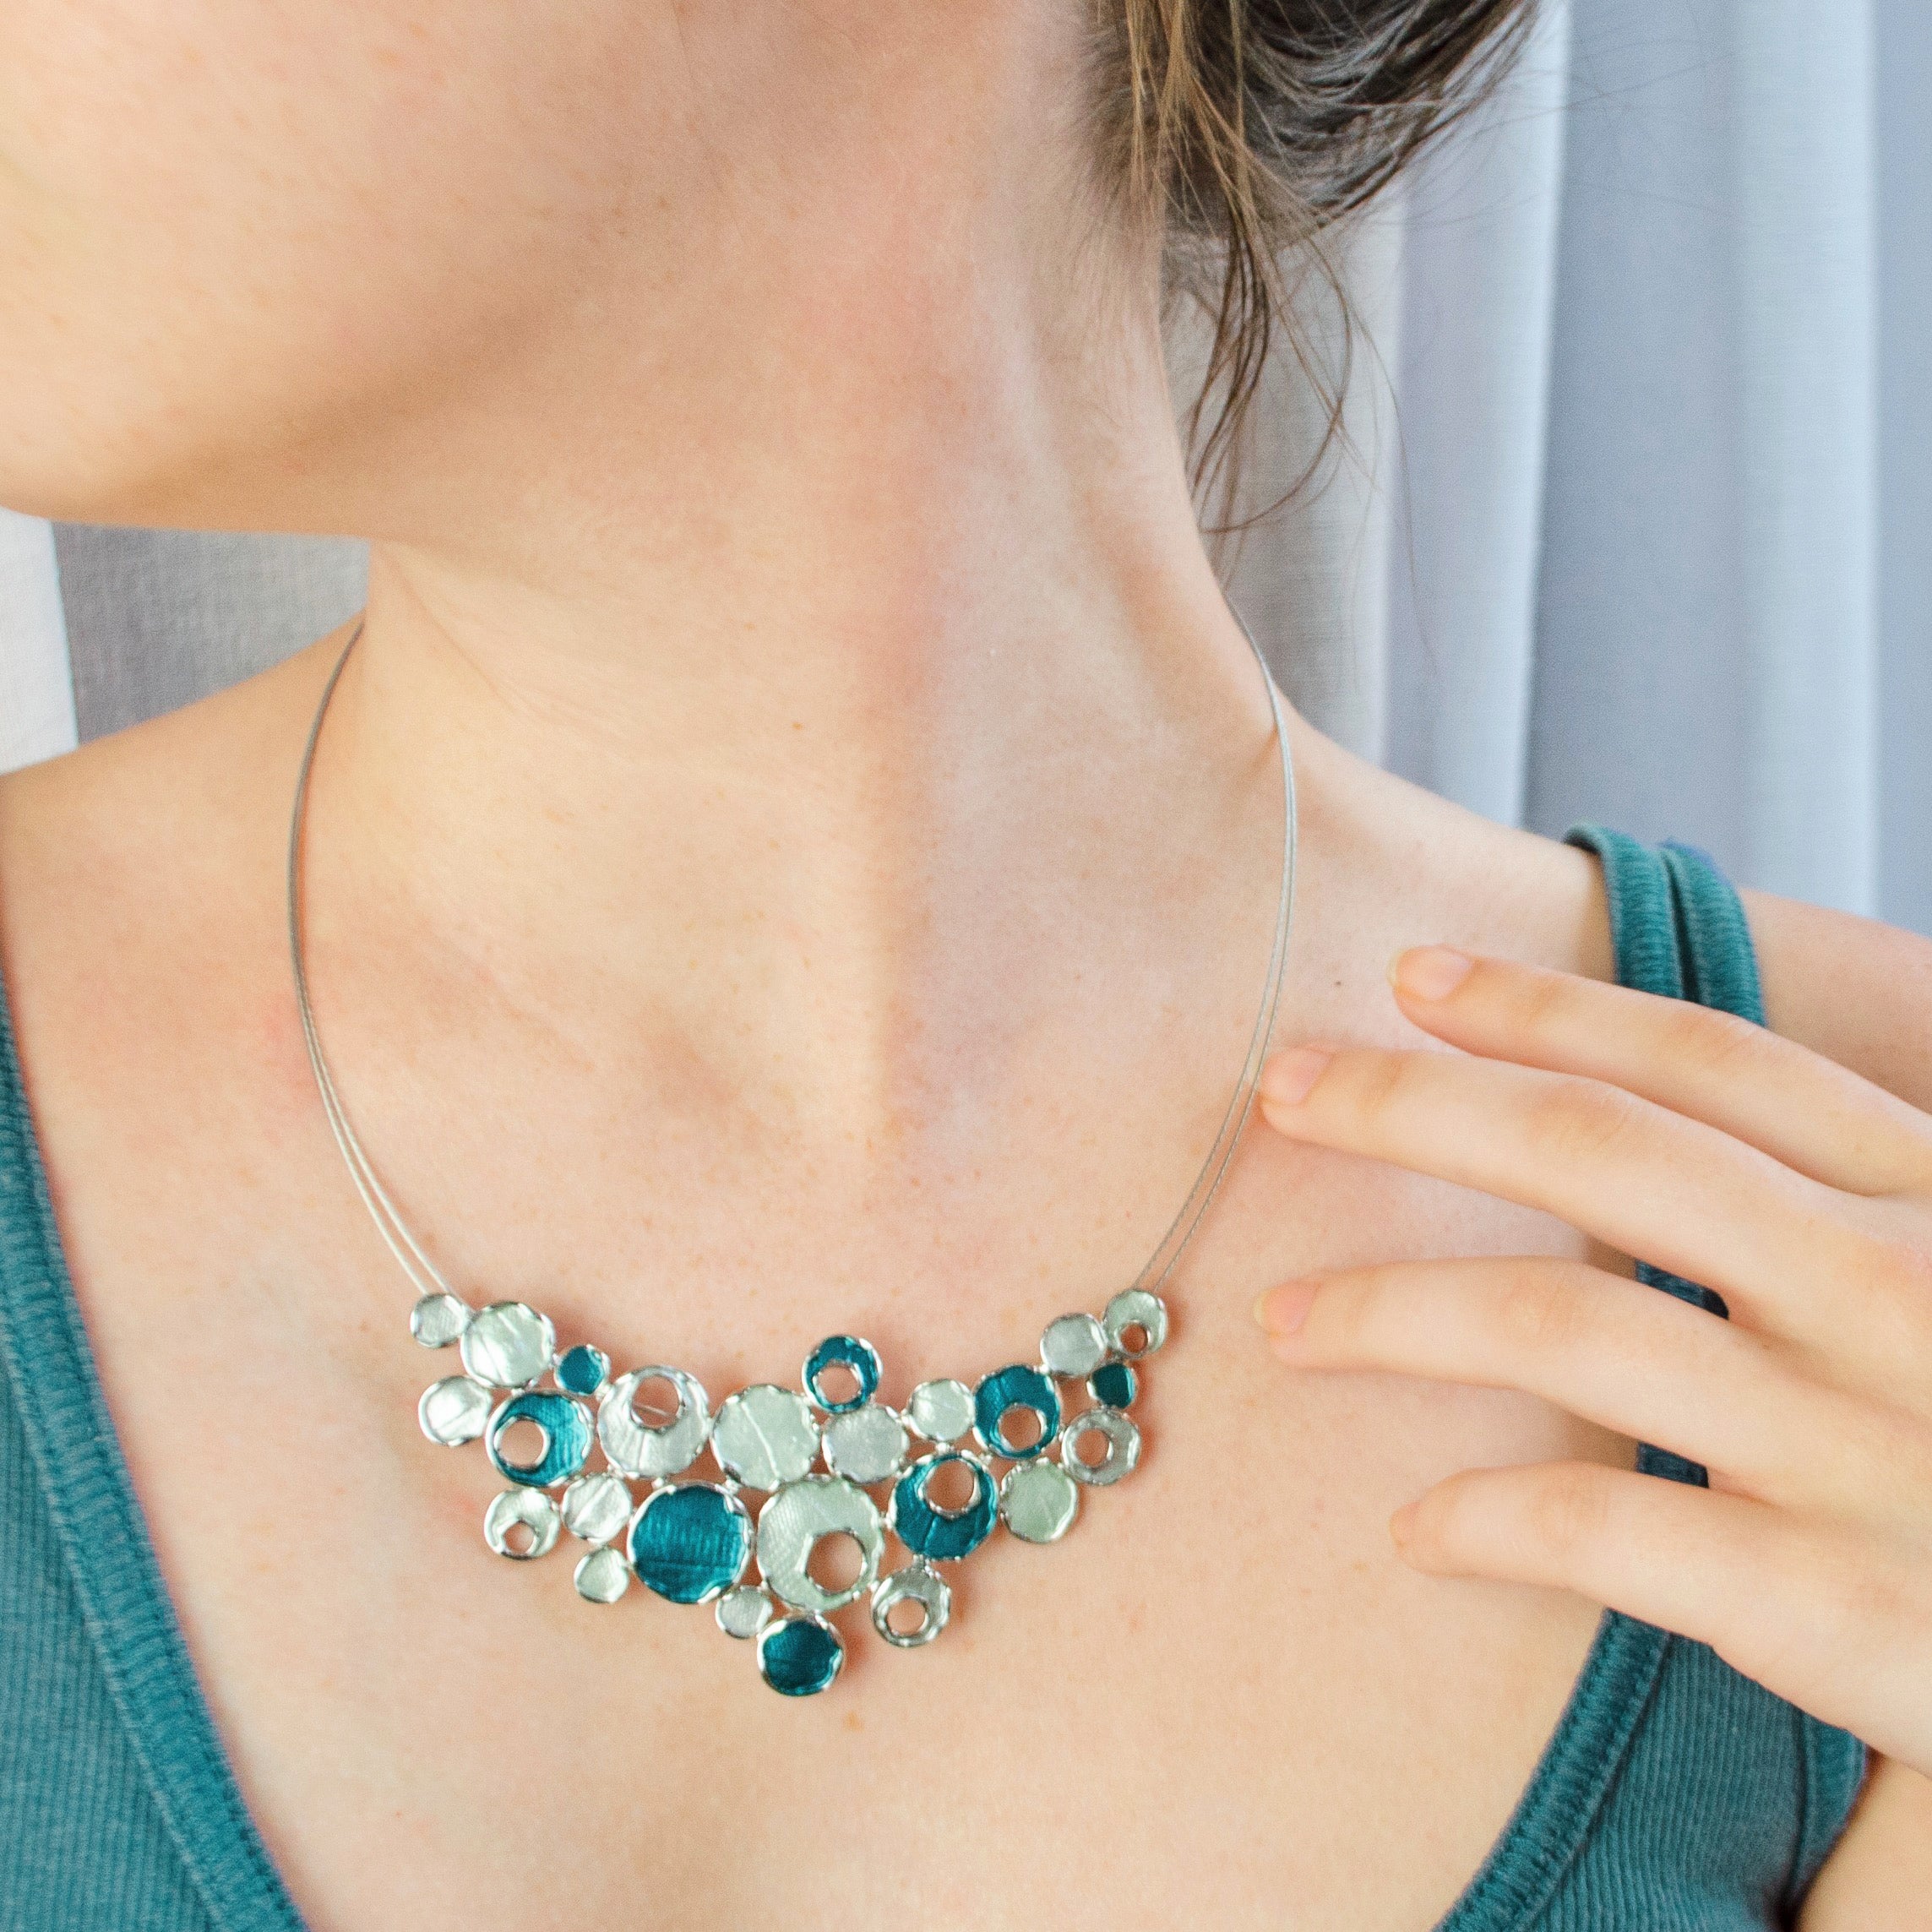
[920,1584]
[1074,1346]
[866,1445]
[791,1523]
[454,1411]
[1123,1441]
[508,1344]
[596,1507]
[1135,1308]
[602,1574]
[765,1435]
[534,1510]
[1038,1501]
[437,1320]
[639,1447]
[941,1411]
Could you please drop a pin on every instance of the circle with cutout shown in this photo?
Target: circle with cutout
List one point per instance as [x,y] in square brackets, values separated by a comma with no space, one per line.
[528,1510]
[565,1427]
[1131,1311]
[1123,1441]
[852,1353]
[1021,1386]
[916,1583]
[653,1450]
[795,1521]
[927,1527]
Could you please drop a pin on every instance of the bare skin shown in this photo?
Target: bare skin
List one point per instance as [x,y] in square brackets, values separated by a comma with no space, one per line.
[760,886]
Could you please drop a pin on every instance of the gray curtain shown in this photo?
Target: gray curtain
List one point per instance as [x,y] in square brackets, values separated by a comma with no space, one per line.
[1633,524]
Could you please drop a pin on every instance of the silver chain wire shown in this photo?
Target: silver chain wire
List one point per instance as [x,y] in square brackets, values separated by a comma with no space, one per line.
[427,1278]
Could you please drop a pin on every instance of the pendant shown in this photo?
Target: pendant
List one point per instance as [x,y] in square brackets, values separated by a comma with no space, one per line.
[611,1462]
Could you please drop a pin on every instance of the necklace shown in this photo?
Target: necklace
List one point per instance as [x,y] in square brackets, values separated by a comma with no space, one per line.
[601,1457]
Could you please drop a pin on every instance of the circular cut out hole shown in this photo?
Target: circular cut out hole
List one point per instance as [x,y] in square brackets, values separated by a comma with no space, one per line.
[1092,1447]
[654,1401]
[524,1444]
[1020,1426]
[950,1488]
[1133,1338]
[907,1617]
[835,1562]
[837,1382]
[519,1536]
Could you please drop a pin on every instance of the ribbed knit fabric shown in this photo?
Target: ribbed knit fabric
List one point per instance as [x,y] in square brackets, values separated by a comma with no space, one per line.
[1674,1795]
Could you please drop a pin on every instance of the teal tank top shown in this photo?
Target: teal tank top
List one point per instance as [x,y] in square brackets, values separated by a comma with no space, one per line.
[1674,1796]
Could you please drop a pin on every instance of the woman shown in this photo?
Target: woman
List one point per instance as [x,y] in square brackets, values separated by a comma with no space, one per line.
[753,888]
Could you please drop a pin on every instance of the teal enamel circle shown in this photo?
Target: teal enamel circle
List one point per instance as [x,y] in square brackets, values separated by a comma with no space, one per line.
[566,1426]
[583,1369]
[690,1543]
[1114,1385]
[1022,1386]
[943,1535]
[799,1656]
[854,1353]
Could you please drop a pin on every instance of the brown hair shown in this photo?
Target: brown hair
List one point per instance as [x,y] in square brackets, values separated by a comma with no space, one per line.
[1242,131]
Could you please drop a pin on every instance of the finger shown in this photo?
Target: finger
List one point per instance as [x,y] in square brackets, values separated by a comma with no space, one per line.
[1834,1624]
[1682,1195]
[1612,1351]
[1797,1105]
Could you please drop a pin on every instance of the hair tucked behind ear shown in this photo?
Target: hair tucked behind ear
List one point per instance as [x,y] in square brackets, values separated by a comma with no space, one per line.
[1243,130]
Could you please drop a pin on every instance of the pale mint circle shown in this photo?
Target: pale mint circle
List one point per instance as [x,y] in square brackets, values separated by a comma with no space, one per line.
[866,1445]
[508,1344]
[743,1611]
[597,1507]
[602,1575]
[941,1411]
[437,1320]
[1074,1346]
[454,1411]
[765,1436]
[1038,1501]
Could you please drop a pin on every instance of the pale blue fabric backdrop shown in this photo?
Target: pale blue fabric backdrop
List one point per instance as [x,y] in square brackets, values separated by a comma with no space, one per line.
[1642,527]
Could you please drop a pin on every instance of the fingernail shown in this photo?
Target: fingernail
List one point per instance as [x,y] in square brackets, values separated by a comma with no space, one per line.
[1287,1077]
[1282,1310]
[1429,972]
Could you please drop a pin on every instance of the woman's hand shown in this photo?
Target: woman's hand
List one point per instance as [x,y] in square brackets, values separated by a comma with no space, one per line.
[1718,1151]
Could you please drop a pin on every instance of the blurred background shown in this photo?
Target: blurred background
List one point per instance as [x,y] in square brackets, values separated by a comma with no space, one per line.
[1632,520]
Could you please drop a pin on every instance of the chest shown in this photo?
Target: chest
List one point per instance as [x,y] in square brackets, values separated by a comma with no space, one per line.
[1220,1693]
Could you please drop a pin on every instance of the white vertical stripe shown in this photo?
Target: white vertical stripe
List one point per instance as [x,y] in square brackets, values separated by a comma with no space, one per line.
[36,686]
